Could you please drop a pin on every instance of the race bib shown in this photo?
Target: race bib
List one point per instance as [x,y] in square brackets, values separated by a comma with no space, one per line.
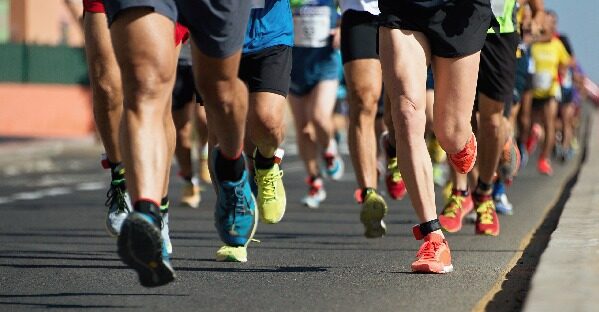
[498,7]
[312,26]
[542,81]
[258,4]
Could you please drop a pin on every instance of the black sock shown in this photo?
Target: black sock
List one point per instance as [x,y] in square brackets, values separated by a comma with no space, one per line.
[483,188]
[229,169]
[149,207]
[262,162]
[460,192]
[364,191]
[164,204]
[390,150]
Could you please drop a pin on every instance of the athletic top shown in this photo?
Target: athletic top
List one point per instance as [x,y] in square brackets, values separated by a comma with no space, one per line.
[505,13]
[313,21]
[370,6]
[270,24]
[185,54]
[548,57]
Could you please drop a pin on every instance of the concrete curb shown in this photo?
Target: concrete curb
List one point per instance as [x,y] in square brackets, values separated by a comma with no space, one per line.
[567,278]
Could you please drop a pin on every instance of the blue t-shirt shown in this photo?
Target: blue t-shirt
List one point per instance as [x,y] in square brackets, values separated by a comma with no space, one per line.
[269,26]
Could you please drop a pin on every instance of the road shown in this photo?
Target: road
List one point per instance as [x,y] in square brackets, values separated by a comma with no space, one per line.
[55,253]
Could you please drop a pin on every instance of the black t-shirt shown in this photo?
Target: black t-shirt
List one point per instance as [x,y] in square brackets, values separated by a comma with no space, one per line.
[564,39]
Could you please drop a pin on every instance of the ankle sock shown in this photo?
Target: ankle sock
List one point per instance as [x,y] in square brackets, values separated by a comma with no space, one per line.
[262,162]
[229,169]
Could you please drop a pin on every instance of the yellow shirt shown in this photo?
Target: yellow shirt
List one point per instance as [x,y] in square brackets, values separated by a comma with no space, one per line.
[548,56]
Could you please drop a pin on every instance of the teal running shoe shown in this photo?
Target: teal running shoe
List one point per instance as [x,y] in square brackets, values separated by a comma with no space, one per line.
[235,213]
[141,247]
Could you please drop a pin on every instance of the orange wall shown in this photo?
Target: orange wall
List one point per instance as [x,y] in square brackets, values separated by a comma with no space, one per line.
[41,22]
[34,110]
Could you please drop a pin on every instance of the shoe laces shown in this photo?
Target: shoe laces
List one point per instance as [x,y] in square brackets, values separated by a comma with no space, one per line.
[485,212]
[235,198]
[268,183]
[454,203]
[116,193]
[428,250]
[394,170]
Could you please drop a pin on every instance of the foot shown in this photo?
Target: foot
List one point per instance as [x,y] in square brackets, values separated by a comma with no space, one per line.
[141,247]
[509,162]
[374,209]
[271,194]
[433,256]
[544,166]
[236,216]
[204,172]
[464,160]
[502,204]
[334,166]
[190,195]
[458,206]
[119,206]
[316,193]
[435,151]
[487,221]
[232,254]
[393,180]
[165,230]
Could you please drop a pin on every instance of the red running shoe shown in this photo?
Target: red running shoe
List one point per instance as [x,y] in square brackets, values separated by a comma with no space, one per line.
[433,256]
[457,207]
[395,183]
[464,160]
[533,138]
[544,166]
[487,221]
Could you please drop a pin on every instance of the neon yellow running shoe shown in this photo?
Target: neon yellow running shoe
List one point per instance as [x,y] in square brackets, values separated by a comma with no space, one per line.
[232,254]
[447,191]
[436,151]
[271,194]
[374,209]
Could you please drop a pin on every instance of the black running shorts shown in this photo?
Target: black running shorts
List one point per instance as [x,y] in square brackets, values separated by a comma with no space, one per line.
[454,28]
[184,88]
[497,71]
[359,36]
[268,70]
[217,26]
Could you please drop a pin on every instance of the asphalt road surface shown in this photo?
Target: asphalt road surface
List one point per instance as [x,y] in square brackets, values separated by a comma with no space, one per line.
[55,253]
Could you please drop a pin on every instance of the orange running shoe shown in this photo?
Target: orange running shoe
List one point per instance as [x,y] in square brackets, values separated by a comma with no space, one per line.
[458,206]
[464,160]
[544,166]
[433,256]
[487,221]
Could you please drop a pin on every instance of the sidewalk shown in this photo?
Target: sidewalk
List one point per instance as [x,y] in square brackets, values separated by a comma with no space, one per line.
[567,278]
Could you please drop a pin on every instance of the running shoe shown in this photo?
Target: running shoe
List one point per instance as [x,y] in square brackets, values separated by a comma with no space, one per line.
[118,203]
[334,166]
[232,254]
[435,150]
[190,195]
[204,171]
[165,230]
[447,191]
[509,161]
[457,207]
[487,221]
[502,204]
[316,193]
[433,256]
[544,166]
[464,160]
[271,194]
[141,246]
[533,139]
[439,176]
[374,209]
[235,212]
[395,183]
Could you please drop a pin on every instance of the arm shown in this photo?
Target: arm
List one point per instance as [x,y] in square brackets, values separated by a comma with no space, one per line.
[538,15]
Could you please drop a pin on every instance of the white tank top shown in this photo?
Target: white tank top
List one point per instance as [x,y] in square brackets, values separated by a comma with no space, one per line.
[370,6]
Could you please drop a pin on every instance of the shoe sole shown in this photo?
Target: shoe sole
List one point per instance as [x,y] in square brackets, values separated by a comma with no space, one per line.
[372,218]
[140,247]
[426,269]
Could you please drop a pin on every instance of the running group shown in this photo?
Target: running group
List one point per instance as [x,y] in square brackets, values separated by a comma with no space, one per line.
[496,73]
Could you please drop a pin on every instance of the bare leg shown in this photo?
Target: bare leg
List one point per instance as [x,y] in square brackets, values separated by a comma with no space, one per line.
[549,116]
[266,124]
[364,82]
[183,125]
[492,136]
[148,76]
[306,144]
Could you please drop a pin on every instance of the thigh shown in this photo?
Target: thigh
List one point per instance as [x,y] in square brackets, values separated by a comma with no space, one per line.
[98,45]
[364,76]
[404,57]
[321,100]
[455,86]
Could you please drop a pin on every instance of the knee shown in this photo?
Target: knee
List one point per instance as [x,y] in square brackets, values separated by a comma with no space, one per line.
[147,82]
[409,121]
[491,125]
[363,103]
[218,91]
[269,130]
